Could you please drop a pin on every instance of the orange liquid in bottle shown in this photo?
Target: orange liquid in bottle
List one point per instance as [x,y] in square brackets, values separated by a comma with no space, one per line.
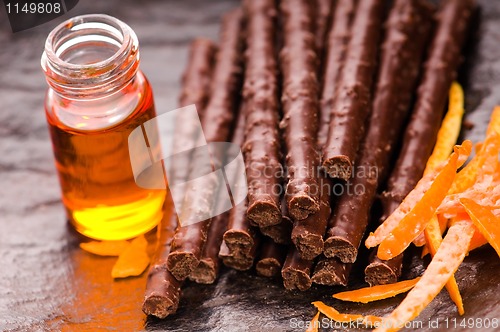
[99,192]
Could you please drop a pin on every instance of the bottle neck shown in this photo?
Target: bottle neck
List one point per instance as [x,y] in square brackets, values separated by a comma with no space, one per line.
[90,57]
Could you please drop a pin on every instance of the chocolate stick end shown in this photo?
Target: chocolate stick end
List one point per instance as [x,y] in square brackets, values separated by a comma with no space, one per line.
[331,272]
[264,213]
[205,272]
[295,279]
[268,267]
[339,247]
[380,272]
[159,306]
[339,167]
[162,293]
[301,206]
[182,264]
[308,245]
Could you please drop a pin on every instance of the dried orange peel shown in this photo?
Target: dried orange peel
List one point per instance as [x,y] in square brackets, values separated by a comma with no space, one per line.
[314,324]
[450,128]
[411,217]
[133,261]
[446,139]
[434,239]
[448,257]
[105,248]
[333,314]
[466,203]
[485,221]
[375,293]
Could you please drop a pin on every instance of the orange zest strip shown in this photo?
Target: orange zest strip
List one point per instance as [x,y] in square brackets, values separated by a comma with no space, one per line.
[448,257]
[468,175]
[314,324]
[418,207]
[485,221]
[419,241]
[414,222]
[447,137]
[450,128]
[333,314]
[375,293]
[105,248]
[477,241]
[434,239]
[494,125]
[133,261]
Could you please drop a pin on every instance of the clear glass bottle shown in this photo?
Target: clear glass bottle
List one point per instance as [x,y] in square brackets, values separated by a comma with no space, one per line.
[97,95]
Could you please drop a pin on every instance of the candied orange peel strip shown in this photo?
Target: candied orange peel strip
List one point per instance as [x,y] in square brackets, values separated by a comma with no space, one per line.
[333,314]
[485,221]
[105,248]
[446,139]
[450,129]
[448,257]
[411,217]
[375,293]
[133,261]
[314,324]
[434,239]
[469,174]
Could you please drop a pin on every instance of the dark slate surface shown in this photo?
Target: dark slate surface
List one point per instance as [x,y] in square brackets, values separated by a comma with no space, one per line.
[48,284]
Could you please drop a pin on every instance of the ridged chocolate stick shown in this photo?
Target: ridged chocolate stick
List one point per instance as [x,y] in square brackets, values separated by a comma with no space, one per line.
[189,240]
[440,70]
[163,290]
[260,92]
[196,79]
[406,35]
[271,259]
[300,109]
[307,234]
[280,233]
[331,272]
[351,104]
[296,272]
[336,45]
[208,269]
[322,16]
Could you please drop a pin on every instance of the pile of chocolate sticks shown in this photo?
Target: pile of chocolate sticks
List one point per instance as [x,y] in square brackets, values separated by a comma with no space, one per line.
[334,104]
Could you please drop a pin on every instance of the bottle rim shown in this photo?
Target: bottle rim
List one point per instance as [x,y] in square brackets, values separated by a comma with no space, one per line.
[95,78]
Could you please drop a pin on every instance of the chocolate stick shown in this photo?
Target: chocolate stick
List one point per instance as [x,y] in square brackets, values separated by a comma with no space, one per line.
[260,91]
[351,104]
[420,136]
[331,272]
[240,237]
[238,257]
[232,227]
[271,259]
[300,109]
[336,46]
[189,240]
[280,233]
[196,78]
[307,235]
[407,32]
[162,293]
[208,269]
[323,17]
[296,272]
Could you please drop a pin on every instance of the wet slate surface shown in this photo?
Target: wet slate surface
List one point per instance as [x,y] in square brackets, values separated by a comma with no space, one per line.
[48,284]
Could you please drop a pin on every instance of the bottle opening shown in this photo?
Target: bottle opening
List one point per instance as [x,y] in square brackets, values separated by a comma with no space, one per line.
[90,54]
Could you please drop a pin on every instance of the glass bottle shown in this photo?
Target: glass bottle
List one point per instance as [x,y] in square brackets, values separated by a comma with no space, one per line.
[97,96]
